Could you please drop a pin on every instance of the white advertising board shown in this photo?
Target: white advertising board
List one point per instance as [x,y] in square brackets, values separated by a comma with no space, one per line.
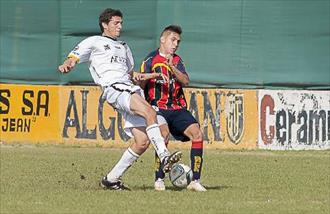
[291,119]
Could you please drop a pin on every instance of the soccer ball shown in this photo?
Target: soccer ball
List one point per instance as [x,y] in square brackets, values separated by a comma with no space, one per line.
[180,175]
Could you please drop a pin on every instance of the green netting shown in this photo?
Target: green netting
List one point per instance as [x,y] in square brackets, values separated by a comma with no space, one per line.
[232,44]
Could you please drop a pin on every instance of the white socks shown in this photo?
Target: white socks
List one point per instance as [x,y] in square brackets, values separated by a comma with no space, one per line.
[157,141]
[126,160]
[129,156]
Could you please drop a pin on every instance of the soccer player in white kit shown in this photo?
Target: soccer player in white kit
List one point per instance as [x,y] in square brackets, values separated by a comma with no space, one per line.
[111,66]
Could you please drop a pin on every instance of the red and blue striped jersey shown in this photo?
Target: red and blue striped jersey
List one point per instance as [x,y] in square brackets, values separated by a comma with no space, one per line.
[165,95]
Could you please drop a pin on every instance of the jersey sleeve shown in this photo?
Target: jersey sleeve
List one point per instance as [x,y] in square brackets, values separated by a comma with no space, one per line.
[146,65]
[181,67]
[83,50]
[130,59]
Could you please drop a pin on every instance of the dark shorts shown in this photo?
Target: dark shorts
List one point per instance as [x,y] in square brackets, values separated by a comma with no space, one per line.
[178,121]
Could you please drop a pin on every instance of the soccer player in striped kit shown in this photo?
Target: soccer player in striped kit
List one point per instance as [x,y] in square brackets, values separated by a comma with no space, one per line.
[111,66]
[167,97]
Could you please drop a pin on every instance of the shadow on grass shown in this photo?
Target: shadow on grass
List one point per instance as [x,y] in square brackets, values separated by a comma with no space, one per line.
[172,188]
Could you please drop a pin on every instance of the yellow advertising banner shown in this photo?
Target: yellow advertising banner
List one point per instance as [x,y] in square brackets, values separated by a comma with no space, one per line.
[29,113]
[228,118]
[86,117]
[79,114]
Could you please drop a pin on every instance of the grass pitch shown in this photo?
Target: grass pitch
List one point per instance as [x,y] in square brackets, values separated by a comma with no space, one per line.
[48,179]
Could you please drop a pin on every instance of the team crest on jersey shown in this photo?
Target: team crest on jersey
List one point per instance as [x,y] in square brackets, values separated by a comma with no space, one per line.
[106,47]
[235,117]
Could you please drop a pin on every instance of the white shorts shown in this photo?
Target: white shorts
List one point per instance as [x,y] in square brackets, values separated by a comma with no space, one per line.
[118,95]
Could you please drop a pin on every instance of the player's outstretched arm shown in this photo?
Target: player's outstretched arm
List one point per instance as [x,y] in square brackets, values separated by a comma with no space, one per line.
[67,65]
[142,78]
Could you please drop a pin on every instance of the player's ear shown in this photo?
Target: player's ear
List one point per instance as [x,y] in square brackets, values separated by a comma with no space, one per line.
[162,39]
[105,25]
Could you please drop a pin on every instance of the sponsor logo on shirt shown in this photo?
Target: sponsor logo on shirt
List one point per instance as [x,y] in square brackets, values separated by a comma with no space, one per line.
[118,59]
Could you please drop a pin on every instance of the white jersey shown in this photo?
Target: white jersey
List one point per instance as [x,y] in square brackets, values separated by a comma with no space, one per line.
[109,60]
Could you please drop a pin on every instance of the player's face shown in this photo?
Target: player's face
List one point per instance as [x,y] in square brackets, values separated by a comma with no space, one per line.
[171,42]
[113,28]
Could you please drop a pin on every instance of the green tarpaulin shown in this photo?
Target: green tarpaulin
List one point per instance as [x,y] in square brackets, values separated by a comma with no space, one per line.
[225,43]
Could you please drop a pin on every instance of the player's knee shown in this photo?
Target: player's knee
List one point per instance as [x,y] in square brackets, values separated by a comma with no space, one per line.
[151,114]
[197,135]
[143,145]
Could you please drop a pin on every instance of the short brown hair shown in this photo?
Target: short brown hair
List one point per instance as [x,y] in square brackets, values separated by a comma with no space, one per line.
[106,16]
[172,28]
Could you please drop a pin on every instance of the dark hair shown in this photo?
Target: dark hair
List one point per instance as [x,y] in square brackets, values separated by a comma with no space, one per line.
[172,28]
[106,16]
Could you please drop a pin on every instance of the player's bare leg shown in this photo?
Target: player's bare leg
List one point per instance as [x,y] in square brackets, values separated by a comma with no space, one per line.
[113,179]
[141,107]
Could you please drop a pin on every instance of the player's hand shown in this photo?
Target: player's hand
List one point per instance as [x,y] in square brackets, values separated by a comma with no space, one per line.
[169,60]
[138,77]
[169,63]
[67,66]
[64,68]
